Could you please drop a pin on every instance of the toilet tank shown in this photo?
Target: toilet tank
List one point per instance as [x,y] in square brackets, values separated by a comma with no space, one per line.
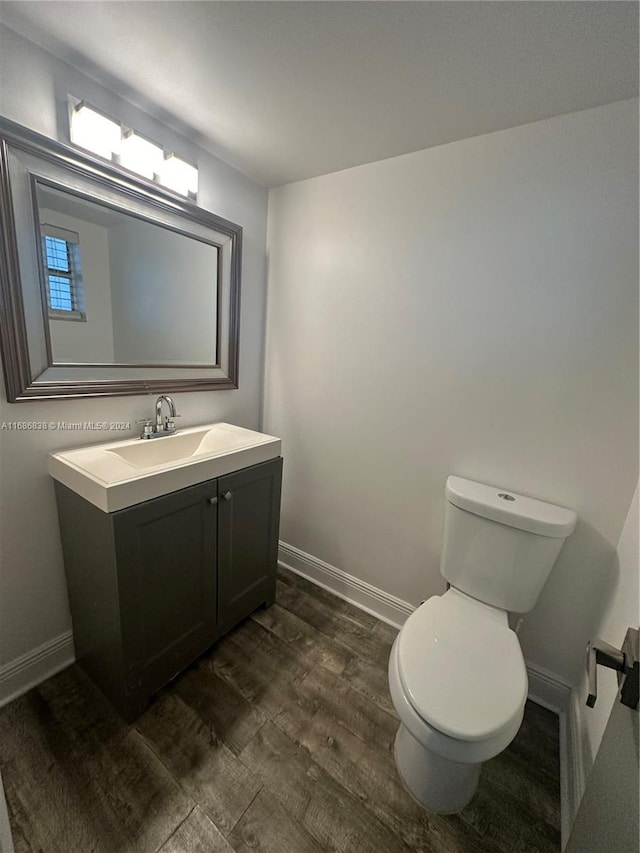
[500,547]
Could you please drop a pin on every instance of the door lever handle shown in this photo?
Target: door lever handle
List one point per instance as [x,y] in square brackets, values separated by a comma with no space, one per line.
[630,693]
[599,652]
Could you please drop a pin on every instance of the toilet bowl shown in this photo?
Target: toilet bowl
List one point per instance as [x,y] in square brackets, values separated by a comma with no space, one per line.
[456,672]
[458,682]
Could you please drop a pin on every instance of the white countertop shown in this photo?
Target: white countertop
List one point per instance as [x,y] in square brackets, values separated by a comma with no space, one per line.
[119,474]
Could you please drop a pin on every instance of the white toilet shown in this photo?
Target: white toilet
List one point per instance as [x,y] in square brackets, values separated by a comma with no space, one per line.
[456,672]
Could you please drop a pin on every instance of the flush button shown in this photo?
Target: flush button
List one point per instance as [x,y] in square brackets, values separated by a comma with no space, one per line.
[506,497]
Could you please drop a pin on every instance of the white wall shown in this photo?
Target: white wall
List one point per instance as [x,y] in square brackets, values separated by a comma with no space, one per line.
[468,309]
[90,340]
[163,292]
[622,612]
[33,597]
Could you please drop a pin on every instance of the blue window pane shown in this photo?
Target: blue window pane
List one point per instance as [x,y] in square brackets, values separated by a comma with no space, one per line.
[57,255]
[60,294]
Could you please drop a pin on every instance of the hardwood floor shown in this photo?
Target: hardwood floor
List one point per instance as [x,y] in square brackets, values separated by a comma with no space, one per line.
[279,740]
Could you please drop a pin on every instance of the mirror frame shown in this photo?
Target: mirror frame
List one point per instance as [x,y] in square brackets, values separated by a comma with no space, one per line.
[23,379]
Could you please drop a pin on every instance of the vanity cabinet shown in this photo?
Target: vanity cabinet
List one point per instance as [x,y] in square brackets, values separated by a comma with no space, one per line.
[154,585]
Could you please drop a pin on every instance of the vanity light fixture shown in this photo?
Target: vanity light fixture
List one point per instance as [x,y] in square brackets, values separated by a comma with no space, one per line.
[178,175]
[94,131]
[91,129]
[140,154]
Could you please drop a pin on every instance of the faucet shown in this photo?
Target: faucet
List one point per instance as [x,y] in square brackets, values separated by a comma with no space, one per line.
[168,424]
[161,426]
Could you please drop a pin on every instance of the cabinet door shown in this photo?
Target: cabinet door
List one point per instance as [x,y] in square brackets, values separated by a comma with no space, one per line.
[166,555]
[248,525]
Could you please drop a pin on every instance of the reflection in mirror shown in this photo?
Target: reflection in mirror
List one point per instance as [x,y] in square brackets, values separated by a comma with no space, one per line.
[122,290]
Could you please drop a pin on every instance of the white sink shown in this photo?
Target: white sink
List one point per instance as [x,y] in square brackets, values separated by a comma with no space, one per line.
[159,451]
[119,474]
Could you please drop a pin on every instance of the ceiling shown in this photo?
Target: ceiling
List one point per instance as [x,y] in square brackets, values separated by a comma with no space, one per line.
[79,208]
[289,90]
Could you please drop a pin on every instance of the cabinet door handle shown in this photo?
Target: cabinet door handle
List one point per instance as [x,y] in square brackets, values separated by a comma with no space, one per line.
[213,501]
[227,496]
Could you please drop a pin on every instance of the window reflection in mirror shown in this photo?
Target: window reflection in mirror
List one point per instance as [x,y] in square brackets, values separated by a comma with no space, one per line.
[63,273]
[144,294]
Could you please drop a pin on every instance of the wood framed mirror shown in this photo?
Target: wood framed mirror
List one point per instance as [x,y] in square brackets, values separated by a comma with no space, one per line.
[109,285]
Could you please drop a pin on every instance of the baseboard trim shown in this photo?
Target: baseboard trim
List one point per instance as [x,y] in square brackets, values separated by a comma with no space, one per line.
[545,688]
[364,595]
[548,689]
[30,669]
[574,764]
[552,692]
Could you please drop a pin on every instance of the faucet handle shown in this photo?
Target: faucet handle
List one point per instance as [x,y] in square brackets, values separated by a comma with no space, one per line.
[169,424]
[147,430]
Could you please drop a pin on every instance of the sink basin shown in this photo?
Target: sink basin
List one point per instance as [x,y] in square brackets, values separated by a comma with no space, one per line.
[119,474]
[158,451]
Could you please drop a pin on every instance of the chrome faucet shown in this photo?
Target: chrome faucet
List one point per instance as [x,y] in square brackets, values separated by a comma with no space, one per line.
[167,425]
[162,426]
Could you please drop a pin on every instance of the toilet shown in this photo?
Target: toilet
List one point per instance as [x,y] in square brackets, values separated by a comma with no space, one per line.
[456,672]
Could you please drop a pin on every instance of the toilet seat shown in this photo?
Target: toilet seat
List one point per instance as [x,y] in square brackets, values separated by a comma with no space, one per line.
[461,668]
[430,739]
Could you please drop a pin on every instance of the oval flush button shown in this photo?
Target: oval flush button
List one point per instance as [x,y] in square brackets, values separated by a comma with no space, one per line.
[505,496]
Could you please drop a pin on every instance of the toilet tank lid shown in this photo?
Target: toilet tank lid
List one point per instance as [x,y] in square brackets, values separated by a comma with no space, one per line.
[509,508]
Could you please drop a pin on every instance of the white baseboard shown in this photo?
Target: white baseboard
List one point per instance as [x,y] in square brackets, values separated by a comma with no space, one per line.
[381,604]
[552,692]
[574,764]
[545,688]
[548,689]
[30,669]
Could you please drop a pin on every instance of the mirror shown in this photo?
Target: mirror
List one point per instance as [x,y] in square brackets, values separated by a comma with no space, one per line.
[123,290]
[109,284]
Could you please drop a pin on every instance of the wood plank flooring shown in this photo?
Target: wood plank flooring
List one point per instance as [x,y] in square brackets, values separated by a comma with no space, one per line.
[279,740]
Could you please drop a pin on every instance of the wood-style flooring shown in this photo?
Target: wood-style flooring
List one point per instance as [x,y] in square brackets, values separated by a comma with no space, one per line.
[279,740]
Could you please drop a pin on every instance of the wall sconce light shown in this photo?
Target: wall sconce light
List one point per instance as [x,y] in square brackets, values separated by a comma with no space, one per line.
[91,129]
[178,175]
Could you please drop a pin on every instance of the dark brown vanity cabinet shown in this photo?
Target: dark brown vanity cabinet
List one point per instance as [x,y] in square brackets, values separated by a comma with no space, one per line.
[152,586]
